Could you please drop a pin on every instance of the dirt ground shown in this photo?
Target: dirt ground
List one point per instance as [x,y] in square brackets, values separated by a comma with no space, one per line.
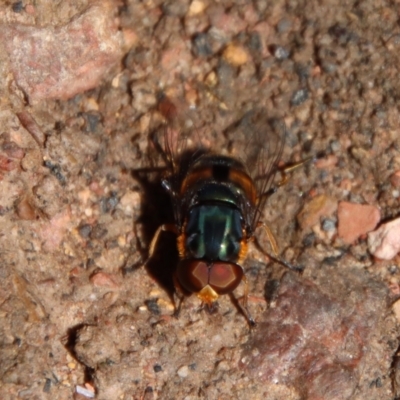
[81,316]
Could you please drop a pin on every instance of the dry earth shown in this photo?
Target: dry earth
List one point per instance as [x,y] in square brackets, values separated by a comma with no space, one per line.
[80,82]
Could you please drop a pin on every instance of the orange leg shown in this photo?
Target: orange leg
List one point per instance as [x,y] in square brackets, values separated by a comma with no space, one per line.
[285,178]
[243,302]
[162,228]
[275,250]
[271,237]
[167,228]
[290,168]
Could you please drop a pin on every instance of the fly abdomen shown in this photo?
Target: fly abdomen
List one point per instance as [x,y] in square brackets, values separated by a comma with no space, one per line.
[219,172]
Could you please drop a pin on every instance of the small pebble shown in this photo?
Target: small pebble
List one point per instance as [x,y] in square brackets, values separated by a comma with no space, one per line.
[18,6]
[327,162]
[121,240]
[299,97]
[223,366]
[6,164]
[335,145]
[284,25]
[84,392]
[280,53]
[235,55]
[316,208]
[211,79]
[395,179]
[396,310]
[84,230]
[152,306]
[103,279]
[157,368]
[355,220]
[183,372]
[155,293]
[255,42]
[47,386]
[166,305]
[131,39]
[384,243]
[25,210]
[13,150]
[309,240]
[90,104]
[88,212]
[129,202]
[108,204]
[191,97]
[196,7]
[193,367]
[202,46]
[255,352]
[30,9]
[328,225]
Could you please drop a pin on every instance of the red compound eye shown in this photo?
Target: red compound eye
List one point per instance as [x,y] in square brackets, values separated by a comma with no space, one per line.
[223,277]
[192,275]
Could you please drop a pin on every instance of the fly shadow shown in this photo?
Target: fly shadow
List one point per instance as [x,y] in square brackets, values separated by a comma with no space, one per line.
[161,193]
[156,209]
[159,208]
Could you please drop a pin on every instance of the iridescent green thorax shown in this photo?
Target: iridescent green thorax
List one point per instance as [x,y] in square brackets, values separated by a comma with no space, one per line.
[214,232]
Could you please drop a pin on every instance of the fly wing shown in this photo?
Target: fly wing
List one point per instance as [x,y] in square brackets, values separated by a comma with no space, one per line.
[264,140]
[270,141]
[173,139]
[179,145]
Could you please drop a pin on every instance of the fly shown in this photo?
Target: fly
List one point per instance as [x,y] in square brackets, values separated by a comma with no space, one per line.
[218,202]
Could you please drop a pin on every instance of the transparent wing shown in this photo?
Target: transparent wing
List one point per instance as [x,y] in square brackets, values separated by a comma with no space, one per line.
[172,142]
[263,140]
[179,145]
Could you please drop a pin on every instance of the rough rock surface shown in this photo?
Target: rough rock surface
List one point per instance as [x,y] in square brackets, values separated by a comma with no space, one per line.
[60,62]
[319,341]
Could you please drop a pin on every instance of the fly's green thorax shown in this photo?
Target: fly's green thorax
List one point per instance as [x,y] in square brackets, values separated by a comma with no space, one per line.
[214,232]
[214,223]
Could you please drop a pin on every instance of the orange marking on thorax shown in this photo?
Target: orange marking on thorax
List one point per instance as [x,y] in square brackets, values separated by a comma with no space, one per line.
[243,251]
[241,179]
[237,177]
[196,175]
[180,244]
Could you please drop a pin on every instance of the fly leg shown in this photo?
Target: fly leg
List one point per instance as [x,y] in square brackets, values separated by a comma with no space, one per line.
[211,308]
[177,303]
[275,250]
[242,302]
[284,178]
[274,246]
[152,247]
[286,170]
[154,241]
[181,297]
